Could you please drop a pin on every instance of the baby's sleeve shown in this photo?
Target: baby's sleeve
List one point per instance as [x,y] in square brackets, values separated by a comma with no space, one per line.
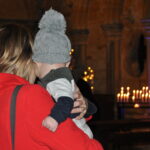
[60,87]
[61,90]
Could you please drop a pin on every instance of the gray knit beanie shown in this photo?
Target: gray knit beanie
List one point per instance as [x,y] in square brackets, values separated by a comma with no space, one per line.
[51,44]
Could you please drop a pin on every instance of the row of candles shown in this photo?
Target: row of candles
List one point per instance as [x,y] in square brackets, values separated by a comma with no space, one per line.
[137,95]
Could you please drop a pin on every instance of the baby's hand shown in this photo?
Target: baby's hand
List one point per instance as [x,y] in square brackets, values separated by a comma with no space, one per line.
[50,123]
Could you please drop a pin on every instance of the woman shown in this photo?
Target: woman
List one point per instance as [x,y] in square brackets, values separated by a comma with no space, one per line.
[33,101]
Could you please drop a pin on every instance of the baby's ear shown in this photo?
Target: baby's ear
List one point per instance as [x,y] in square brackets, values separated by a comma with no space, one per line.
[67,64]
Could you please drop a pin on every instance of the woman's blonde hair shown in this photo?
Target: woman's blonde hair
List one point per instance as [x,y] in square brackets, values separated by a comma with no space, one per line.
[16,51]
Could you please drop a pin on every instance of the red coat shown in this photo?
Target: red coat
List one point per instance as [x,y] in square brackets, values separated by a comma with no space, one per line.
[33,104]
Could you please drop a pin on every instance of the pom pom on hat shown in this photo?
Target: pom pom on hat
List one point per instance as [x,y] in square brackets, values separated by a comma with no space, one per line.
[51,44]
[53,21]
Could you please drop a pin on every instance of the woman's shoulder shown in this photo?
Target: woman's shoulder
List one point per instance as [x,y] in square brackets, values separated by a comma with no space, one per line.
[34,93]
[34,90]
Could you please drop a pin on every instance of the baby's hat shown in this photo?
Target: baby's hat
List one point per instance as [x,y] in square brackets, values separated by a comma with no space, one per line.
[51,44]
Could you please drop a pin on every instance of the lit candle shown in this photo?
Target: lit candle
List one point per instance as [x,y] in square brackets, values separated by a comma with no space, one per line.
[133,92]
[125,97]
[143,89]
[133,98]
[128,89]
[143,96]
[118,97]
[121,97]
[128,94]
[137,94]
[122,88]
[122,92]
[146,97]
[146,88]
[140,94]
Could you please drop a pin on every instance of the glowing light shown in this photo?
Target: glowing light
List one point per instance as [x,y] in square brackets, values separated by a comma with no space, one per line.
[72,51]
[92,87]
[89,76]
[85,72]
[89,68]
[136,105]
[133,96]
[122,88]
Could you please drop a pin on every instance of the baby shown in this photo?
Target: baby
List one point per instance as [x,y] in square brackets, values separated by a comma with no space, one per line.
[52,52]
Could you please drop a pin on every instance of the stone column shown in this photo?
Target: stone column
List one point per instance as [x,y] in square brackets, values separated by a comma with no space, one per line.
[113,56]
[146,26]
